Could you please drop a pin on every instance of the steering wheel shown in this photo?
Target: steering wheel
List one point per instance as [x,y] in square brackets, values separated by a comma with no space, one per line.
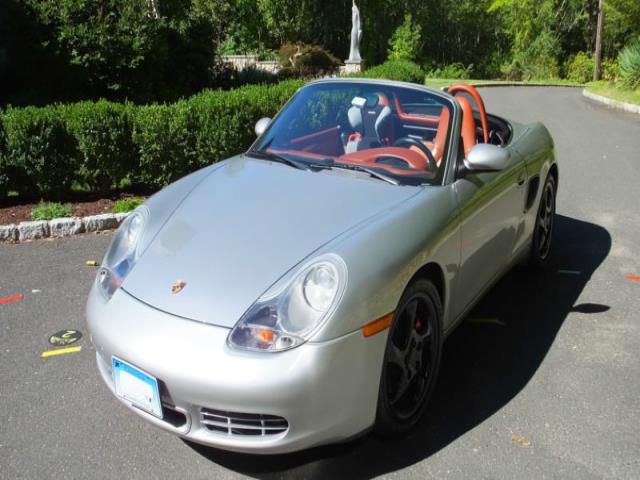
[409,142]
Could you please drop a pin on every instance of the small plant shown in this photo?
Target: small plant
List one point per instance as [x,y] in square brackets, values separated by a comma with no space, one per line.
[125,205]
[452,70]
[629,62]
[610,69]
[50,210]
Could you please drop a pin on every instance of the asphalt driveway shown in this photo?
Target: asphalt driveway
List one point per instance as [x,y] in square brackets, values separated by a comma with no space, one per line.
[542,381]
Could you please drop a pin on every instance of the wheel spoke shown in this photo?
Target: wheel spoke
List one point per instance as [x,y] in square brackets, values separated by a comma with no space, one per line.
[412,309]
[542,240]
[548,204]
[542,223]
[397,356]
[401,388]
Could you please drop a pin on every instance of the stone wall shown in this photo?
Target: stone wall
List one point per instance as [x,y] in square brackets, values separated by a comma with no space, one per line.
[240,62]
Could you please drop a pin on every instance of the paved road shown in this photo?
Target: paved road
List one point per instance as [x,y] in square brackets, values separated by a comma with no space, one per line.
[559,369]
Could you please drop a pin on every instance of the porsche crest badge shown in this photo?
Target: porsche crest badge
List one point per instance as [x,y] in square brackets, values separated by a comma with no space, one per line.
[178,286]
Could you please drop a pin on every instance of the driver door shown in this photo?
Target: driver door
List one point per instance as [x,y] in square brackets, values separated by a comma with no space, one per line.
[491,209]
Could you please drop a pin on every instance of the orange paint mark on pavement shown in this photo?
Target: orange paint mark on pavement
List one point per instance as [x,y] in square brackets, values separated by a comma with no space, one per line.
[15,298]
[633,277]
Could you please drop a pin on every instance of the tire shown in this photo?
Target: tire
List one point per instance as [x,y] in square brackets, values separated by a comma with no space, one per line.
[543,230]
[412,359]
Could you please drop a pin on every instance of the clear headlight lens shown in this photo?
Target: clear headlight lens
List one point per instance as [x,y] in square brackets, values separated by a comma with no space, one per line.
[122,253]
[292,310]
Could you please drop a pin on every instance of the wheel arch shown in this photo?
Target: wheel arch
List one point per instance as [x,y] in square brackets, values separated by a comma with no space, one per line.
[553,170]
[434,272]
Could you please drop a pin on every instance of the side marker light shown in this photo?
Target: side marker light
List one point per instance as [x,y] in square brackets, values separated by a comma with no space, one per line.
[378,325]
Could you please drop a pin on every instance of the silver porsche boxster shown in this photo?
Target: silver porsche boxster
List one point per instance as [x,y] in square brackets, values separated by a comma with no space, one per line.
[299,294]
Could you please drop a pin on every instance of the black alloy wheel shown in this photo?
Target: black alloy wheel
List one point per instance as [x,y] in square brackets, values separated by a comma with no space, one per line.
[412,359]
[543,230]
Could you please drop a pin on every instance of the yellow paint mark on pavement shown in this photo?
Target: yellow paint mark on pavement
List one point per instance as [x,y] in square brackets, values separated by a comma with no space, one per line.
[520,440]
[60,351]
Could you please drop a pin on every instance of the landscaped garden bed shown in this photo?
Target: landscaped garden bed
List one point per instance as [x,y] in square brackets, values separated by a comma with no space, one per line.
[14,210]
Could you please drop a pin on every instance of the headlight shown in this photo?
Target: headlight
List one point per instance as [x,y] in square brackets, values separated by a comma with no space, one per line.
[122,253]
[294,308]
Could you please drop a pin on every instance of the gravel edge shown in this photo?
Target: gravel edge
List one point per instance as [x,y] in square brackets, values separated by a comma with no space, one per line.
[59,227]
[612,103]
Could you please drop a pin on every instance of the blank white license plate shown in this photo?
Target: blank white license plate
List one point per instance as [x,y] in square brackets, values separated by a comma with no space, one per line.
[136,386]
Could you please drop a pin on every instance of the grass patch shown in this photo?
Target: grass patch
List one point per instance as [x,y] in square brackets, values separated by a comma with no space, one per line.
[446,82]
[127,204]
[50,210]
[608,89]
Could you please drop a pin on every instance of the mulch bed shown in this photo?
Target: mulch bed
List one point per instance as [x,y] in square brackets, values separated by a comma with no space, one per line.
[15,210]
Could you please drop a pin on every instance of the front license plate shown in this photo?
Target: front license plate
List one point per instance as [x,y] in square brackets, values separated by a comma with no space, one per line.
[137,387]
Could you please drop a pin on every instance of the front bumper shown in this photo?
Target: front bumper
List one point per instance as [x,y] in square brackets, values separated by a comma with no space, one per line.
[327,391]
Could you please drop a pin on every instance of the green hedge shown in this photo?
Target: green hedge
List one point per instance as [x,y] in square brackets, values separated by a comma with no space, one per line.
[44,151]
[98,145]
[4,177]
[40,153]
[103,132]
[400,70]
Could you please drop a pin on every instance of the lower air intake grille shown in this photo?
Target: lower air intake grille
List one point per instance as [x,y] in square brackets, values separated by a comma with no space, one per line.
[231,423]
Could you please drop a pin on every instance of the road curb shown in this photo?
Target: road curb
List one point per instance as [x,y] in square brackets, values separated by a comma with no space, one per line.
[611,103]
[60,227]
[529,84]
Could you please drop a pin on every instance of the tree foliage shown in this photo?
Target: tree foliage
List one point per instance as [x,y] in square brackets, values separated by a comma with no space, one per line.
[405,42]
[146,50]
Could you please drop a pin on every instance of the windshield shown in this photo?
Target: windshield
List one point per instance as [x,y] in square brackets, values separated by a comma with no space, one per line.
[392,132]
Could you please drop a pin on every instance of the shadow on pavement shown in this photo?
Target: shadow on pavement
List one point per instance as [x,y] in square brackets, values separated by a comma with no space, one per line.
[486,363]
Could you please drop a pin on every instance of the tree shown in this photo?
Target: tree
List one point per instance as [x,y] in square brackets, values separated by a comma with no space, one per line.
[535,47]
[115,43]
[131,48]
[406,41]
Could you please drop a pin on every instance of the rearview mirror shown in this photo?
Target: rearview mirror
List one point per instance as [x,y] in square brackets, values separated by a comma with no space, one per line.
[485,157]
[261,125]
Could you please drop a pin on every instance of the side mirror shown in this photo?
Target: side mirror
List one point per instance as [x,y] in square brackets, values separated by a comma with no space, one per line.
[485,157]
[261,125]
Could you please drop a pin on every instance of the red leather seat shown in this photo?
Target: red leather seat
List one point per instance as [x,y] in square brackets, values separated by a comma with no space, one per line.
[441,135]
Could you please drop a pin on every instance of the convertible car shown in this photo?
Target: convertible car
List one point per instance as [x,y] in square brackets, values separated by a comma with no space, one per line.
[299,294]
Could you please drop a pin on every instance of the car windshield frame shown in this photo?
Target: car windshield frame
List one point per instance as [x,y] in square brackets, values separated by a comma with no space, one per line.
[411,114]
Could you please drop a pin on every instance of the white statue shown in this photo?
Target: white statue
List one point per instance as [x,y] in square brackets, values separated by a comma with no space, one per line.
[356,35]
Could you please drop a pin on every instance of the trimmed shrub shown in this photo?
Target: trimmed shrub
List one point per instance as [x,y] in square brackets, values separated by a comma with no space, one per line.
[103,133]
[40,153]
[629,61]
[301,60]
[400,70]
[102,144]
[226,119]
[173,140]
[4,178]
[165,138]
[579,68]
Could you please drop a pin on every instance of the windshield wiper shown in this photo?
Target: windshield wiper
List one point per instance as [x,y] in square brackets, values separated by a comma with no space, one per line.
[358,168]
[274,157]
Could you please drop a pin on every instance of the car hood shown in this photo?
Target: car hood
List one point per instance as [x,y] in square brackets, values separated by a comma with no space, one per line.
[243,227]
